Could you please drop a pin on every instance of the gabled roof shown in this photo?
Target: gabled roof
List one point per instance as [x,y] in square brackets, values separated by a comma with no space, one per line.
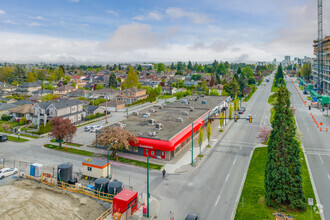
[29,85]
[64,88]
[23,102]
[23,109]
[91,108]
[42,91]
[106,90]
[5,106]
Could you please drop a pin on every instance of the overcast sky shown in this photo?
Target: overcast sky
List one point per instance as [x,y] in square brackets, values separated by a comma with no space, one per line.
[107,31]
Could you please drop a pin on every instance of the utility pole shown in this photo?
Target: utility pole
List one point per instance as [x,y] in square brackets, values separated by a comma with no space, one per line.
[192,143]
[320,45]
[106,109]
[148,195]
[126,104]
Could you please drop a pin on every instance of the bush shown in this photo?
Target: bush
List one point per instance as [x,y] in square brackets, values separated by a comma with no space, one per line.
[23,121]
[5,127]
[93,116]
[214,92]
[5,117]
[44,129]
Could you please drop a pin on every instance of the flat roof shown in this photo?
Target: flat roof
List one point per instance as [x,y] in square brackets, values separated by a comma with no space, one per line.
[95,163]
[169,116]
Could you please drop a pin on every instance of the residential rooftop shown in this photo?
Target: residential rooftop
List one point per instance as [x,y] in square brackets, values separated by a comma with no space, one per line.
[174,117]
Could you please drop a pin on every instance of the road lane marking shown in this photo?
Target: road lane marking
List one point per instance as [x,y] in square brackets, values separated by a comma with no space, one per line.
[227,177]
[234,160]
[217,201]
[328,176]
[321,158]
[241,147]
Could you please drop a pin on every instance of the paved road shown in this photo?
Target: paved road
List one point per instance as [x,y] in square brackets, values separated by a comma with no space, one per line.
[212,189]
[316,144]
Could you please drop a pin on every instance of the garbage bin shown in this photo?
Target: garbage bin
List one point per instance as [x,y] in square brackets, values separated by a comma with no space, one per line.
[145,210]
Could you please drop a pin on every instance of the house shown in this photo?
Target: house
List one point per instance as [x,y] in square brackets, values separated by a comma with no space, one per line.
[42,92]
[106,93]
[23,102]
[22,111]
[169,90]
[35,98]
[63,90]
[7,87]
[96,168]
[190,83]
[92,109]
[79,93]
[114,105]
[4,108]
[28,88]
[65,108]
[78,80]
[132,95]
[217,88]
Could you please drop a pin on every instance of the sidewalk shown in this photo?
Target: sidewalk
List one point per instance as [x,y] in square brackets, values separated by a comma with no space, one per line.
[182,161]
[154,208]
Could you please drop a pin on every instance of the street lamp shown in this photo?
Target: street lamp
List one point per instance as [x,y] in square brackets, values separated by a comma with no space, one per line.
[109,156]
[19,128]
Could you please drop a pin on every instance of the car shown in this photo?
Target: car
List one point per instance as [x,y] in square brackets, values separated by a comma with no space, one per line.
[87,128]
[4,172]
[241,110]
[248,116]
[305,92]
[92,129]
[98,127]
[192,217]
[3,138]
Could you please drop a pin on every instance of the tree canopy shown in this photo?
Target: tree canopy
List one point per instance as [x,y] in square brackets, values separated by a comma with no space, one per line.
[112,81]
[63,129]
[132,79]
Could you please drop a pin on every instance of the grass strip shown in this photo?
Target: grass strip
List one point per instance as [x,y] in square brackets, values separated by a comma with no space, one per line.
[272,99]
[70,150]
[253,193]
[15,139]
[67,143]
[250,94]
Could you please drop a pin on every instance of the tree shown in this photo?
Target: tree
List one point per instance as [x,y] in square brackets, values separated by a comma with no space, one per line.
[200,140]
[306,70]
[132,79]
[231,111]
[218,78]
[19,75]
[42,74]
[161,67]
[112,81]
[248,72]
[5,73]
[279,76]
[49,97]
[212,81]
[15,83]
[234,89]
[221,69]
[5,127]
[118,137]
[208,133]
[196,77]
[283,181]
[23,121]
[30,77]
[63,130]
[51,78]
[190,66]
[263,134]
[59,74]
[98,87]
[221,121]
[236,107]
[204,86]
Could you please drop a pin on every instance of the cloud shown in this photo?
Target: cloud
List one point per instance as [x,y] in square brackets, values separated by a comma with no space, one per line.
[75,1]
[133,36]
[2,12]
[34,24]
[197,18]
[217,45]
[10,22]
[112,12]
[150,16]
[40,18]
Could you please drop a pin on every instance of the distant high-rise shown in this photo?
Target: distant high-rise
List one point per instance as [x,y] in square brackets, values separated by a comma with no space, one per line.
[323,80]
[287,58]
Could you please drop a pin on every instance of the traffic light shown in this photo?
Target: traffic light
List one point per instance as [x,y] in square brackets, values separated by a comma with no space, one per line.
[250,119]
[235,118]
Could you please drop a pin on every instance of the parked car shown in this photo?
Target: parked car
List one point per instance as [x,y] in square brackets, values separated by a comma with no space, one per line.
[305,92]
[3,138]
[87,128]
[7,172]
[248,116]
[92,129]
[98,127]
[241,110]
[192,217]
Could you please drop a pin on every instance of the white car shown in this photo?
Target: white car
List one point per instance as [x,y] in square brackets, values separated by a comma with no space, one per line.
[87,128]
[98,127]
[92,129]
[7,172]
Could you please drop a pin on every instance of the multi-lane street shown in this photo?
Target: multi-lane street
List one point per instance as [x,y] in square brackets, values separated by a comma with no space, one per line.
[316,145]
[213,189]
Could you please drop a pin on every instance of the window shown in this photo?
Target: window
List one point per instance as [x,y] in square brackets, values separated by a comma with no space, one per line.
[89,169]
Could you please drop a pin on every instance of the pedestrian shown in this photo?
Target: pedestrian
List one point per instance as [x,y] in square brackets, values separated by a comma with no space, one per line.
[171,215]
[164,172]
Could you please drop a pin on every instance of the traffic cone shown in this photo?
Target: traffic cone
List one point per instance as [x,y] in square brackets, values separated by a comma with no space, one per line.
[321,123]
[320,128]
[326,130]
[318,125]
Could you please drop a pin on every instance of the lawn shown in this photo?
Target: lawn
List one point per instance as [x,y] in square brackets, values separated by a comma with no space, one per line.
[253,192]
[167,96]
[15,139]
[91,154]
[67,143]
[70,150]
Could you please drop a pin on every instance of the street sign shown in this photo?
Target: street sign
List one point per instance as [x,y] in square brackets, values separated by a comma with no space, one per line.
[310,201]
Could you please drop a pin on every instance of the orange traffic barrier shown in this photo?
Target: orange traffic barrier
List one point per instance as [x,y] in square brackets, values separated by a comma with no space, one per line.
[321,129]
[310,113]
[326,129]
[318,125]
[321,123]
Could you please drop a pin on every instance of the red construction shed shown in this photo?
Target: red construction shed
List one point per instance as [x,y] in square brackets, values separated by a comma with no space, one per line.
[126,200]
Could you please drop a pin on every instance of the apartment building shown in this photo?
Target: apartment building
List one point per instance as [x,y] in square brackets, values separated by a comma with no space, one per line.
[131,95]
[325,72]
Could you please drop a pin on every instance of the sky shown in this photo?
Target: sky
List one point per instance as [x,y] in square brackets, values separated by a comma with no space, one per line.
[112,31]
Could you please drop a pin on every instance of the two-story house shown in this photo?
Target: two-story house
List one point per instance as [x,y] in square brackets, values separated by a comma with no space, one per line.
[28,88]
[63,90]
[65,108]
[131,95]
[79,93]
[106,93]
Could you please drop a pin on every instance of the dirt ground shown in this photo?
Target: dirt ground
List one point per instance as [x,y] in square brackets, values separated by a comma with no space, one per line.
[31,200]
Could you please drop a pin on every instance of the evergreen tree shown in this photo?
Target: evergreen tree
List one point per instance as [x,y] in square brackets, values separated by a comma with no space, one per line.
[172,66]
[161,67]
[30,77]
[19,75]
[190,66]
[231,111]
[217,76]
[279,73]
[283,181]
[239,71]
[234,88]
[112,81]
